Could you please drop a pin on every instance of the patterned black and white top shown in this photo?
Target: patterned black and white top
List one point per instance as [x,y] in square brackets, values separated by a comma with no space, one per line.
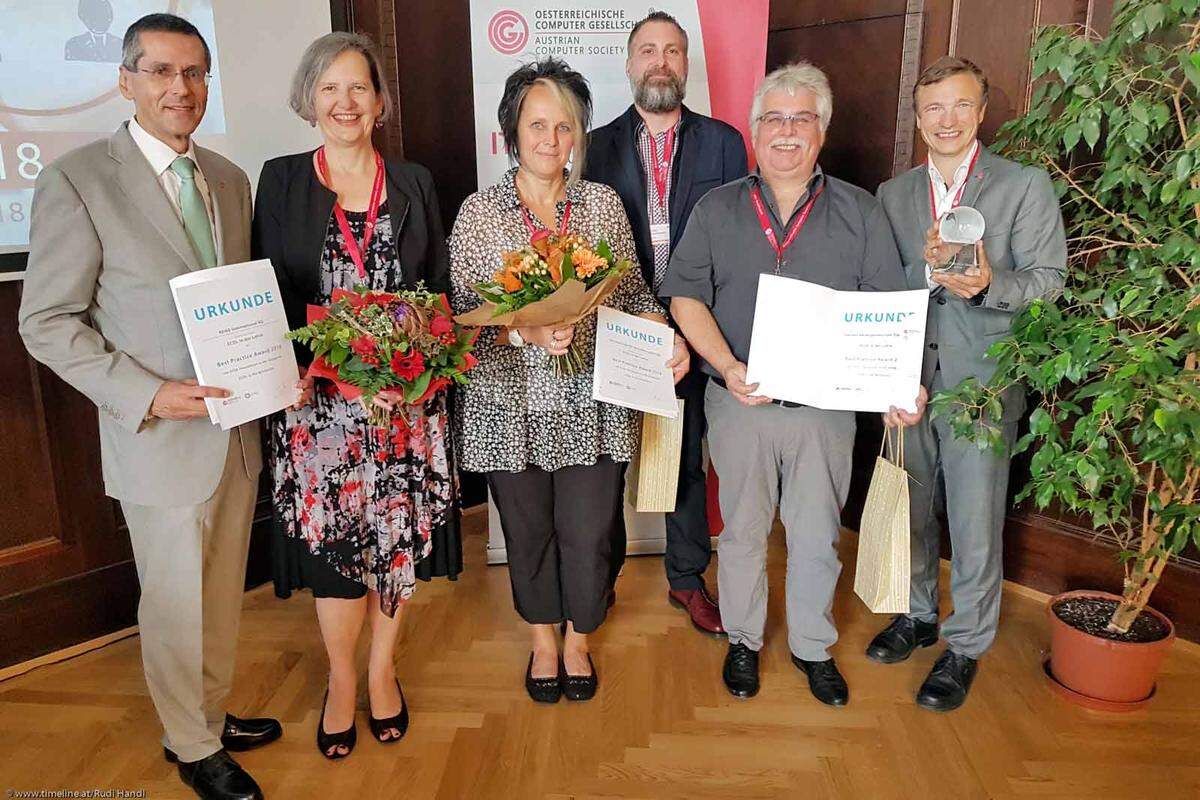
[515,413]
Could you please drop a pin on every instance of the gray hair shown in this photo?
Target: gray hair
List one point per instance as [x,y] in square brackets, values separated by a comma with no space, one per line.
[319,56]
[791,78]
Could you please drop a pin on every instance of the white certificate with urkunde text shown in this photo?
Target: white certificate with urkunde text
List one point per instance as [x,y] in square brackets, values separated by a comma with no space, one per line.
[631,363]
[846,351]
[236,328]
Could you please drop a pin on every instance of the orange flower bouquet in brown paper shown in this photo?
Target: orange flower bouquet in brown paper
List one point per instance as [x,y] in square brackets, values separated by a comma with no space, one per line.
[553,280]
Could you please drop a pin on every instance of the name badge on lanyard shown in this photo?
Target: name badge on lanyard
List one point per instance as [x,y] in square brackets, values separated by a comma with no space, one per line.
[660,234]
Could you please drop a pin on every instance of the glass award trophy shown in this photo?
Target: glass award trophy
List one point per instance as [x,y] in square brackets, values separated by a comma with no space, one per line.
[960,228]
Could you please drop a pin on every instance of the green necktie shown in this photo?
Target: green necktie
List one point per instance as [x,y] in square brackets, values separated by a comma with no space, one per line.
[195,214]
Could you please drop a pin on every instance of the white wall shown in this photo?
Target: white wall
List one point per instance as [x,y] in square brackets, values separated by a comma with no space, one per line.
[259,44]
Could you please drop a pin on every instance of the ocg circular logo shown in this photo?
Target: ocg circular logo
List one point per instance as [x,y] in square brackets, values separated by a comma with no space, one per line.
[508,32]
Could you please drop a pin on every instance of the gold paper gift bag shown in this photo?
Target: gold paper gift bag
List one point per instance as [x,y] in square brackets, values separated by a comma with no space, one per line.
[655,469]
[882,576]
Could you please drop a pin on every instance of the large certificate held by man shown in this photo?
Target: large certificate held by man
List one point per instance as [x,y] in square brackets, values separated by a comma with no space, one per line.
[844,351]
[235,327]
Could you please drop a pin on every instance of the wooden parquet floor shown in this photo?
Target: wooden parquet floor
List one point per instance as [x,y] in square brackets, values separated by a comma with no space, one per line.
[661,727]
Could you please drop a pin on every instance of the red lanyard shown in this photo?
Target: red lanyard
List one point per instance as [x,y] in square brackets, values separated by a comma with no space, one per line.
[761,209]
[961,189]
[353,249]
[562,228]
[662,168]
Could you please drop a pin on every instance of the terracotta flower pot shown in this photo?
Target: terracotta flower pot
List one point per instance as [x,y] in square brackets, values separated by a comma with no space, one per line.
[1102,673]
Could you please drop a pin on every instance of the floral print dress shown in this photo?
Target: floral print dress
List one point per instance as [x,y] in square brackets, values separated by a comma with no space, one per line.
[363,499]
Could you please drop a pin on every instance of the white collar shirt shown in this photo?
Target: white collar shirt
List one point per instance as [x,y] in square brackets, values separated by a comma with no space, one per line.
[944,194]
[160,155]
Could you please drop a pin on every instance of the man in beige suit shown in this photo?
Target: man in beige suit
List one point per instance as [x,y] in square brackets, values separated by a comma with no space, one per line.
[112,223]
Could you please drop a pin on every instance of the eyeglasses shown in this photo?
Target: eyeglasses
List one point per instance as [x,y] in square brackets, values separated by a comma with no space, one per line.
[193,76]
[774,121]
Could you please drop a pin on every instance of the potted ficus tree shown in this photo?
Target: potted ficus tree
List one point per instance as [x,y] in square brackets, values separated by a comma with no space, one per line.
[1115,435]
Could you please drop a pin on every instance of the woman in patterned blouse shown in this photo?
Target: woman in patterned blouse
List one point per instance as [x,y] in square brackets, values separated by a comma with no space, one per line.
[554,458]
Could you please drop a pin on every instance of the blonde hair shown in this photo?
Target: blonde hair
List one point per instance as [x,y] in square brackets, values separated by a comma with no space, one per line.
[569,88]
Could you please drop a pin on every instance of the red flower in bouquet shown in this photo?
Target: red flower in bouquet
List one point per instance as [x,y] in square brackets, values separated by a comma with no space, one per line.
[408,366]
[406,342]
[367,350]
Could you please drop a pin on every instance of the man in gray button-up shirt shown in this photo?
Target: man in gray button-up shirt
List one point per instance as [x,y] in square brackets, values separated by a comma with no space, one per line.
[771,454]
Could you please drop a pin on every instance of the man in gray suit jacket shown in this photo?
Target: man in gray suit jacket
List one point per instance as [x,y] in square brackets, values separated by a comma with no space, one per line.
[112,223]
[1022,257]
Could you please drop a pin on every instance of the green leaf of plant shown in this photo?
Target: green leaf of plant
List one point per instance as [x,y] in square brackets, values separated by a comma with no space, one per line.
[1071,135]
[1190,69]
[1183,167]
[1170,191]
[418,386]
[1091,131]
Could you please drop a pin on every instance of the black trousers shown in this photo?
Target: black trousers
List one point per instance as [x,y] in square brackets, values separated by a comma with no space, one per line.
[559,531]
[689,548]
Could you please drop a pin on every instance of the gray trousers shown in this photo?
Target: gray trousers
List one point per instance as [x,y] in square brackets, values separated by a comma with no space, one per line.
[973,484]
[796,460]
[191,565]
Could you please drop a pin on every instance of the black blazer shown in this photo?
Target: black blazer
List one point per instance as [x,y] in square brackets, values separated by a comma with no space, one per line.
[709,153]
[291,218]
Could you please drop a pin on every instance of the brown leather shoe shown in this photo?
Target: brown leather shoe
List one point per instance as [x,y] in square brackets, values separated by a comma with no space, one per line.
[703,610]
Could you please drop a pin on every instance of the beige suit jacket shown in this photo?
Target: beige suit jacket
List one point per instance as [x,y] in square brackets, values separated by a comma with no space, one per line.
[97,309]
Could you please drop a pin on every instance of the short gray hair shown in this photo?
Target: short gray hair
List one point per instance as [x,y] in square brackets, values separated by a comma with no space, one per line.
[791,78]
[319,56]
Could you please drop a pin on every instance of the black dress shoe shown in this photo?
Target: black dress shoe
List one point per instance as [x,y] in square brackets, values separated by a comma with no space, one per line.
[741,671]
[824,681]
[219,777]
[543,690]
[948,683]
[240,735]
[580,687]
[328,743]
[397,723]
[897,641]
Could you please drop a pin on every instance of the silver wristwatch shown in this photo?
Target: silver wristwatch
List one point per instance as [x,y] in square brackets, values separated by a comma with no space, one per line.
[515,338]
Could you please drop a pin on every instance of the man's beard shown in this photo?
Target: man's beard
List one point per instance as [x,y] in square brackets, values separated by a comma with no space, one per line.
[658,97]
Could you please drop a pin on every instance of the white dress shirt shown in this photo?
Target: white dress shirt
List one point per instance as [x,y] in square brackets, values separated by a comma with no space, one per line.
[944,194]
[161,155]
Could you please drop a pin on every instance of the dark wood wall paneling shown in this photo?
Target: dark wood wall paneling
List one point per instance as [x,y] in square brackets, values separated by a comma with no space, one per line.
[66,570]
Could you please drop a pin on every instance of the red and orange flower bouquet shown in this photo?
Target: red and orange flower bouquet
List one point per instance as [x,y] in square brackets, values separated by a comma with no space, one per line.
[553,280]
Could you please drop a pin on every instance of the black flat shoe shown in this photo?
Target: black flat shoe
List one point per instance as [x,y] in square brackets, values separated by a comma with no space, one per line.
[897,641]
[580,687]
[219,777]
[948,683]
[741,671]
[543,690]
[824,681]
[240,735]
[399,722]
[327,742]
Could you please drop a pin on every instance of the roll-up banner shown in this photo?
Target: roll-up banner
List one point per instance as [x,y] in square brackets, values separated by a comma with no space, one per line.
[727,53]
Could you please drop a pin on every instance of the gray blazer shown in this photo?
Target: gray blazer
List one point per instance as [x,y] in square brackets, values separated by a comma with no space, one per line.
[97,310]
[1025,244]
